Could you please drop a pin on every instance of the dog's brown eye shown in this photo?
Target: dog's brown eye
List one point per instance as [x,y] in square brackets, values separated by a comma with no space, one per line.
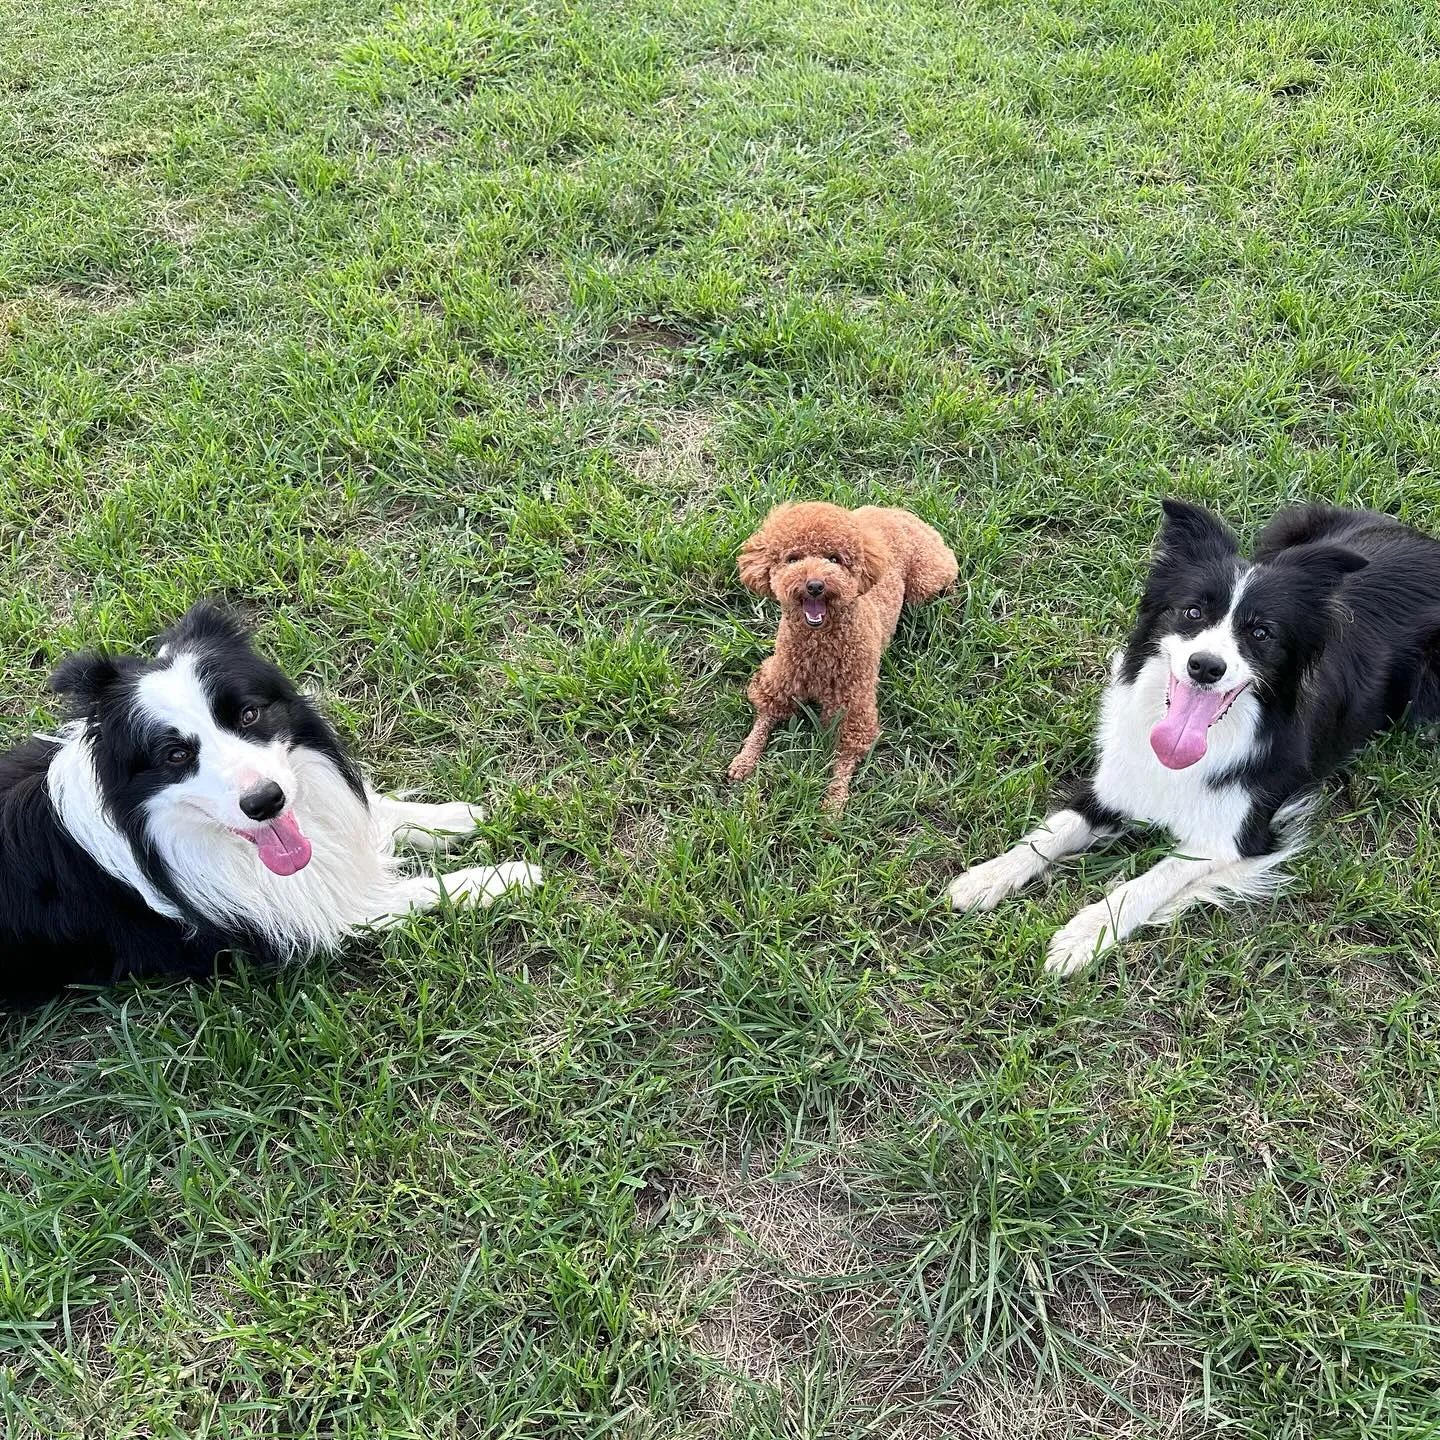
[248,716]
[791,558]
[834,559]
[179,755]
[1194,612]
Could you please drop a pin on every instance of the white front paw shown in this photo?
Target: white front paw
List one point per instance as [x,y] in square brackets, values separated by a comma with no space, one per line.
[1088,936]
[480,884]
[517,875]
[436,827]
[456,817]
[983,887]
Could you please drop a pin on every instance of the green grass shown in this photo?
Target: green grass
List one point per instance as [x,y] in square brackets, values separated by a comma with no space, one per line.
[463,345]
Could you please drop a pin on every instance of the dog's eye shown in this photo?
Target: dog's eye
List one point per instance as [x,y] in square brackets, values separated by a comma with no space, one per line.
[248,716]
[1194,612]
[1259,632]
[792,557]
[834,559]
[179,755]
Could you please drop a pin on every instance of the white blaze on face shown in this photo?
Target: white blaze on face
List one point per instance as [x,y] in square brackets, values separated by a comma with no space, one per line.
[1218,640]
[1207,674]
[227,766]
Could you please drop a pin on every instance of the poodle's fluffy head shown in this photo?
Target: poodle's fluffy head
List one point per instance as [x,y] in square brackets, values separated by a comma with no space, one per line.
[814,558]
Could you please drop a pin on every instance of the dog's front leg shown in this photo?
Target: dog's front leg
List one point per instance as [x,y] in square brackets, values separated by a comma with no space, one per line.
[983,887]
[425,827]
[1159,892]
[478,886]
[772,707]
[859,730]
[742,767]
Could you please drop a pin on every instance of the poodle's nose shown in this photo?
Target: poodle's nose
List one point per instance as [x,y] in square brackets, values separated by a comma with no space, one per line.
[264,802]
[814,587]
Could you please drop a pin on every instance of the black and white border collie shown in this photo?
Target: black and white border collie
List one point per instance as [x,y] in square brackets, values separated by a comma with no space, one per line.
[194,804]
[1243,685]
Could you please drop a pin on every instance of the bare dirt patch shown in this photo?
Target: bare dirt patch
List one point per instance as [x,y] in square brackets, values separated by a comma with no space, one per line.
[793,1263]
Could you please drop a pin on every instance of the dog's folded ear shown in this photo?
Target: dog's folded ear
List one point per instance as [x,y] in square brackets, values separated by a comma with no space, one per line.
[755,564]
[1323,565]
[1192,531]
[205,623]
[755,557]
[874,559]
[83,679]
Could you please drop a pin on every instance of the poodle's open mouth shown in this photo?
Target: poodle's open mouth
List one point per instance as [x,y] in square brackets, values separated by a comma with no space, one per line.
[814,608]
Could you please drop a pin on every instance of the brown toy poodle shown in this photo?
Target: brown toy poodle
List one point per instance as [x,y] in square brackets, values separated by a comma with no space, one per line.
[840,577]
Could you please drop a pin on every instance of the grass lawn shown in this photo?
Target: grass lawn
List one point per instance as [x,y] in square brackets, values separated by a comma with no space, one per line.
[463,344]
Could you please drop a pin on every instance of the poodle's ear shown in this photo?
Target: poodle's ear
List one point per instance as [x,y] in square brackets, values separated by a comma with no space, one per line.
[755,564]
[873,560]
[756,558]
[83,680]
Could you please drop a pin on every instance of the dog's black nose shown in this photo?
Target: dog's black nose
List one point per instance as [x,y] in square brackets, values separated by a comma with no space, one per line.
[264,802]
[1205,669]
[814,587]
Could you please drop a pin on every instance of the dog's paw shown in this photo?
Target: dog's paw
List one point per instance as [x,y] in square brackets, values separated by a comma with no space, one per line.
[455,818]
[742,767]
[983,887]
[480,884]
[432,827]
[1081,942]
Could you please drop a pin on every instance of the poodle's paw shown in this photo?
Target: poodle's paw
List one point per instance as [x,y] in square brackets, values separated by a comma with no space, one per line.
[1081,942]
[835,798]
[480,884]
[984,886]
[742,767]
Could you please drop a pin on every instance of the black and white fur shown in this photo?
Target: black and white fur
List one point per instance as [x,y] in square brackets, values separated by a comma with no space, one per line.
[131,840]
[1327,635]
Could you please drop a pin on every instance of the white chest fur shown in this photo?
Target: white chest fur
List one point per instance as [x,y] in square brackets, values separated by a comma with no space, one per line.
[1204,819]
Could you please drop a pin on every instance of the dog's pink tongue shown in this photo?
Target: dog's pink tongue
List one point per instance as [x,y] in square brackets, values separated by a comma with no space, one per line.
[1180,738]
[283,847]
[814,609]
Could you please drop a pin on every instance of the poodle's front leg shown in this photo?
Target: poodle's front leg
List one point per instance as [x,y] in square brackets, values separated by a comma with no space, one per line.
[742,767]
[478,885]
[772,707]
[425,827]
[859,730]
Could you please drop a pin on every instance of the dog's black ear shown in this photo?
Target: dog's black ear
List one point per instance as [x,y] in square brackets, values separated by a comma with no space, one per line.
[1192,532]
[84,679]
[1323,565]
[204,623]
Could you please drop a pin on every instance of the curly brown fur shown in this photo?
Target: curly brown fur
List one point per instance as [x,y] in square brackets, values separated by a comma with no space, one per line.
[841,577]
